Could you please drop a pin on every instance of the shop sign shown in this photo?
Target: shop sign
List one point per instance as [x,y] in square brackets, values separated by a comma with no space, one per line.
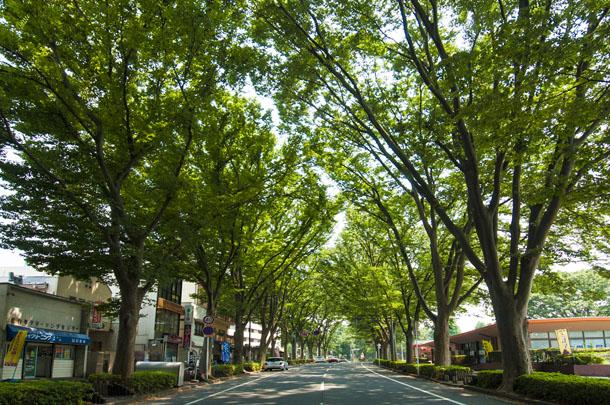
[48,336]
[563,341]
[188,314]
[162,303]
[13,354]
[186,341]
[96,319]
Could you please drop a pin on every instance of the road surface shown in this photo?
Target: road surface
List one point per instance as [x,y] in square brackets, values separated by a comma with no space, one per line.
[328,384]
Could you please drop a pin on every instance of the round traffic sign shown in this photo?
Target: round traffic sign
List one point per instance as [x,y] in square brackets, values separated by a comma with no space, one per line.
[208,319]
[208,331]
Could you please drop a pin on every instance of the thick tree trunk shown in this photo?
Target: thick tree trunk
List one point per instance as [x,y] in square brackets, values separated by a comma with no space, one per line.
[442,352]
[129,314]
[293,347]
[410,341]
[238,339]
[310,350]
[512,328]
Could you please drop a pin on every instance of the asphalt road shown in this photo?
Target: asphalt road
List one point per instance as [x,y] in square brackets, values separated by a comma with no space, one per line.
[329,384]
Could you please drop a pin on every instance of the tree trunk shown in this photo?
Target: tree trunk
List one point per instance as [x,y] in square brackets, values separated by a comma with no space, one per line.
[238,339]
[512,329]
[410,341]
[442,352]
[129,314]
[293,347]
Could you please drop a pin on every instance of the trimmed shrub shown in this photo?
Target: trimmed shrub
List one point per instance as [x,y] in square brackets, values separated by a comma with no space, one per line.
[427,370]
[223,370]
[490,379]
[454,373]
[143,382]
[45,392]
[252,366]
[296,362]
[565,389]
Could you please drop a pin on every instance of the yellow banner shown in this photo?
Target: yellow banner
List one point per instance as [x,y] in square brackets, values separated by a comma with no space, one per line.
[13,354]
[563,340]
[487,346]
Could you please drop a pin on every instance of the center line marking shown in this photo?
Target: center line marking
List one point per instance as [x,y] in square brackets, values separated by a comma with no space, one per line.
[413,387]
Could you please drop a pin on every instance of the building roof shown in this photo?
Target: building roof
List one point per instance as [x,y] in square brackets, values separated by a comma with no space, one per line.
[491,330]
[44,294]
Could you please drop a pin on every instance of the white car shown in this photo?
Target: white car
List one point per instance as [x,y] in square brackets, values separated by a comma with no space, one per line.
[275,363]
[319,359]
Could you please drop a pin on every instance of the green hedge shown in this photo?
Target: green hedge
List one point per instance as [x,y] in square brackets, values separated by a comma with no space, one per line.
[223,370]
[565,389]
[490,379]
[428,370]
[141,382]
[458,359]
[45,392]
[252,366]
[150,381]
[295,362]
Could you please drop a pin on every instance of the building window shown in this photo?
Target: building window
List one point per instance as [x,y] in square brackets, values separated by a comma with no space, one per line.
[172,291]
[64,352]
[199,328]
[166,323]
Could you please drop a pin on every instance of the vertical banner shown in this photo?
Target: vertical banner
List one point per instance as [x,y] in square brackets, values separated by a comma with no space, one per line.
[563,341]
[487,346]
[13,354]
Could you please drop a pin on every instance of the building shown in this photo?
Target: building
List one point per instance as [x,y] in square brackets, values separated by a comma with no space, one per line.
[159,335]
[92,292]
[589,332]
[56,341]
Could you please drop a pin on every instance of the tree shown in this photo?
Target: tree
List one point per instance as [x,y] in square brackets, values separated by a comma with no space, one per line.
[565,295]
[101,105]
[513,95]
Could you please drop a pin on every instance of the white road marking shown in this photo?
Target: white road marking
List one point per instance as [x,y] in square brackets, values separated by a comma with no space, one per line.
[415,388]
[228,389]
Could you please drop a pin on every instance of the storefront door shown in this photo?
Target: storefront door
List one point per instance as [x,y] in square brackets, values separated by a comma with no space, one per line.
[44,361]
[38,361]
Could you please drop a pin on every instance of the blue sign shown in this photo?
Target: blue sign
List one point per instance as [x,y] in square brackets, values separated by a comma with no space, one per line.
[225,352]
[48,336]
[208,331]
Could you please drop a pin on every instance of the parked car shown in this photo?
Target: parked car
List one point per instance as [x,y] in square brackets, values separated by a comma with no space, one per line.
[275,363]
[319,359]
[332,360]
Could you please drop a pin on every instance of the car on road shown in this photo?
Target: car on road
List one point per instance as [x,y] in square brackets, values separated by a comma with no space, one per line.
[319,359]
[275,363]
[332,360]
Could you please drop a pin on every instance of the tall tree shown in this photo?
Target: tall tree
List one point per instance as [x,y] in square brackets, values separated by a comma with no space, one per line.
[101,104]
[514,94]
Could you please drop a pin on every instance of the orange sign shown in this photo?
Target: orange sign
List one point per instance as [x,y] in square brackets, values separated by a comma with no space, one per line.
[170,306]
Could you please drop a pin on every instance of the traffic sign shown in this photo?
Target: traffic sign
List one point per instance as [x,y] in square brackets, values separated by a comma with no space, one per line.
[208,331]
[316,332]
[304,333]
[208,319]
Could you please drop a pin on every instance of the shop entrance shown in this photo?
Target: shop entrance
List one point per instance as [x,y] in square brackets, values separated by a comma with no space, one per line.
[38,361]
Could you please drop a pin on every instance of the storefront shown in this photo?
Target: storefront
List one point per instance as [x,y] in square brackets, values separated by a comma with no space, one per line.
[47,353]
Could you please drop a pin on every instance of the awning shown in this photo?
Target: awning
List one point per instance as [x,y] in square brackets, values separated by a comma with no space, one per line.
[48,336]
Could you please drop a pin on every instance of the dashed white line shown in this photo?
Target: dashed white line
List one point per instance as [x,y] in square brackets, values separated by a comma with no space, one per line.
[415,388]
